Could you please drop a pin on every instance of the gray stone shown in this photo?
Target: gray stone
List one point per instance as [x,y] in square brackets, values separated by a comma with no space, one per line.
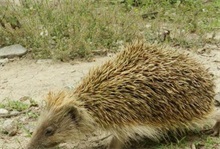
[24,119]
[12,51]
[10,127]
[14,112]
[3,111]
[4,61]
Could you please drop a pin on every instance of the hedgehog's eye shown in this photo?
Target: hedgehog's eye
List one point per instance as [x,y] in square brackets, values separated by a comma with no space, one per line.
[49,131]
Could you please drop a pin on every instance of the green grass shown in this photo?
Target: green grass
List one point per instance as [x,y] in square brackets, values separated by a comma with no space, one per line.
[19,105]
[14,105]
[72,29]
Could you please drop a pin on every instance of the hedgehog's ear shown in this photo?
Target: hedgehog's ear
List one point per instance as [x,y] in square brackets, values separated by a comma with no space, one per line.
[74,114]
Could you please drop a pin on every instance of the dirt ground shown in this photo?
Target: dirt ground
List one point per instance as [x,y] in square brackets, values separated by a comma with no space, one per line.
[34,79]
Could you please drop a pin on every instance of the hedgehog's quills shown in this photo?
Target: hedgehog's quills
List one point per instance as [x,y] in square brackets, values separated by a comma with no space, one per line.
[145,91]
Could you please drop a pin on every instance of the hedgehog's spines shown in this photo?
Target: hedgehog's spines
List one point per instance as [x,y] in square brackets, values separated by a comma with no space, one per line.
[150,78]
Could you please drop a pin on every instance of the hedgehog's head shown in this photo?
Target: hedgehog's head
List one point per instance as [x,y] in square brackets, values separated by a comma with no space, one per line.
[62,119]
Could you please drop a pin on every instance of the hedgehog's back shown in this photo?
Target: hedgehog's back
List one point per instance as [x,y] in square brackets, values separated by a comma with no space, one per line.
[145,84]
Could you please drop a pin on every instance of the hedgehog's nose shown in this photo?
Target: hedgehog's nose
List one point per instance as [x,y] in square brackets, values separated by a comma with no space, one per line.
[31,146]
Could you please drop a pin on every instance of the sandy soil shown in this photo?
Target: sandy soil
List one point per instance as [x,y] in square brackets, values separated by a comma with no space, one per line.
[34,79]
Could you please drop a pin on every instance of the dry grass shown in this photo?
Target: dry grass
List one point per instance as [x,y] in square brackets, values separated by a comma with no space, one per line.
[70,29]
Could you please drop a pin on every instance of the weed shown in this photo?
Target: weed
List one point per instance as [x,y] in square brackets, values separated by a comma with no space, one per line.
[14,105]
[27,131]
[33,115]
[66,29]
[70,29]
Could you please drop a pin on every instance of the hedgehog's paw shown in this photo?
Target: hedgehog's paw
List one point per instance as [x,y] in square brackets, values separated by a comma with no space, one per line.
[214,132]
[216,129]
[207,131]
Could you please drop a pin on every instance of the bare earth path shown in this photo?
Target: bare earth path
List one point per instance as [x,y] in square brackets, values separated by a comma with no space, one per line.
[28,78]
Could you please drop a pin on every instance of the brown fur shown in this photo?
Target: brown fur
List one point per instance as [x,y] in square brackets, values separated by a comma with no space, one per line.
[144,90]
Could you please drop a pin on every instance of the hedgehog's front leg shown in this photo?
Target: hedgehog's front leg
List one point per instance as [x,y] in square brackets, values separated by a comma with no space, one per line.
[216,129]
[115,144]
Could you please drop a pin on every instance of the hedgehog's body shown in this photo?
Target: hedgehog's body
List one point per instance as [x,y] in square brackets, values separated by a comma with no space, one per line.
[144,90]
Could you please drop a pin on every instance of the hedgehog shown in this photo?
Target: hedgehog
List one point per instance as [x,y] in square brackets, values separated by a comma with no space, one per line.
[145,90]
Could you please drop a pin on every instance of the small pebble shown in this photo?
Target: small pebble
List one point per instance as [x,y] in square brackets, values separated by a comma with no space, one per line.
[4,61]
[3,111]
[24,119]
[9,127]
[14,112]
